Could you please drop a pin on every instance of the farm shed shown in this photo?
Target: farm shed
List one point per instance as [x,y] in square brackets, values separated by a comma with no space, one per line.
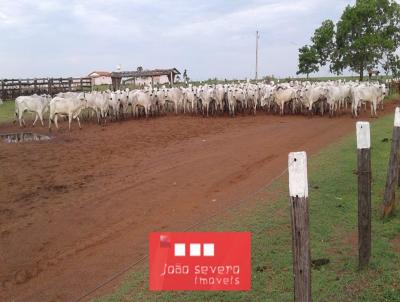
[100,77]
[145,77]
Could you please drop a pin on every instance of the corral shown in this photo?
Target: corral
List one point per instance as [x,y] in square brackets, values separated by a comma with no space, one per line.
[11,88]
[235,181]
[78,208]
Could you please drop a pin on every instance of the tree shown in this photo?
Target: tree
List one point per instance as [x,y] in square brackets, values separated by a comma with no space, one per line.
[392,64]
[323,41]
[366,33]
[308,60]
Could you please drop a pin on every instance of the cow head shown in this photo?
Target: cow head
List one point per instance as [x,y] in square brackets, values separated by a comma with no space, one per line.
[83,100]
[383,89]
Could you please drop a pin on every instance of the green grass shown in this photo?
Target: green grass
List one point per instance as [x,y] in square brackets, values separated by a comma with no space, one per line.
[333,228]
[7,111]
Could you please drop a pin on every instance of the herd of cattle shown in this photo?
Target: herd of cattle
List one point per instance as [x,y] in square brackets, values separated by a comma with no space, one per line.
[295,97]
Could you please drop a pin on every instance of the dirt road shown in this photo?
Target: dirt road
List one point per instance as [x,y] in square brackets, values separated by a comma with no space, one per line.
[78,208]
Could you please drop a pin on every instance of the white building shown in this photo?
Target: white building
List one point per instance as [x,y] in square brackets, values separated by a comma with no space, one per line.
[100,78]
[145,81]
[146,77]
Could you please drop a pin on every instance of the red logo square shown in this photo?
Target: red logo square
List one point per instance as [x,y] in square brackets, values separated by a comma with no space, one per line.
[200,261]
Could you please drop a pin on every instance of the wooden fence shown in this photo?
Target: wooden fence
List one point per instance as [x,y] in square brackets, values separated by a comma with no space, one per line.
[394,87]
[298,192]
[12,88]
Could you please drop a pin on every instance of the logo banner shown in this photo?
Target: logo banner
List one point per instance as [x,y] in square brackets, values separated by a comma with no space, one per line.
[200,261]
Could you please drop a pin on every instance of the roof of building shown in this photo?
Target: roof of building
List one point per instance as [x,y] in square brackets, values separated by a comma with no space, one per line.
[95,74]
[144,73]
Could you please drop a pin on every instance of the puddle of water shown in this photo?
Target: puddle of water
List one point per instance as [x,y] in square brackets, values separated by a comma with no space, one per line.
[23,137]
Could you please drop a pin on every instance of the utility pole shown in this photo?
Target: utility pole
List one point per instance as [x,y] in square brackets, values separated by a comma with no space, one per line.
[257,37]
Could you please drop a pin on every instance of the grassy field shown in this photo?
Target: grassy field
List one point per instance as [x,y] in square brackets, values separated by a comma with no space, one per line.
[333,223]
[6,111]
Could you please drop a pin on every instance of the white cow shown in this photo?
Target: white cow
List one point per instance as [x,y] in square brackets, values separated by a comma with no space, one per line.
[68,94]
[206,95]
[34,103]
[103,104]
[363,93]
[174,95]
[114,102]
[99,103]
[334,98]
[310,95]
[71,106]
[284,95]
[231,100]
[384,93]
[236,97]
[219,97]
[240,98]
[189,97]
[252,96]
[145,99]
[266,94]
[123,98]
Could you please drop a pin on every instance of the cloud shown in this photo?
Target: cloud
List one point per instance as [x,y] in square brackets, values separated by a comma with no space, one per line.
[265,16]
[209,38]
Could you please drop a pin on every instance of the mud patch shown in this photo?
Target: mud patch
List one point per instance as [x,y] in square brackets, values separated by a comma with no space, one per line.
[21,137]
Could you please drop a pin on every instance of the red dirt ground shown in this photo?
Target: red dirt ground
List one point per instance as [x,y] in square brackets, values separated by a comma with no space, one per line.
[78,208]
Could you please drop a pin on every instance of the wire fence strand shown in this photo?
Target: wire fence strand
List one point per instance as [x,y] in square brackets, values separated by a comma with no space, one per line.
[220,211]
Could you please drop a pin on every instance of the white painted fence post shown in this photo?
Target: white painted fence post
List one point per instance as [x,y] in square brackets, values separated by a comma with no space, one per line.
[364,192]
[298,191]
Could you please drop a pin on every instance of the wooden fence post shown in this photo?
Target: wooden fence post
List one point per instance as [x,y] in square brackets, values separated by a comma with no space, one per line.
[2,95]
[389,199]
[49,86]
[298,191]
[364,192]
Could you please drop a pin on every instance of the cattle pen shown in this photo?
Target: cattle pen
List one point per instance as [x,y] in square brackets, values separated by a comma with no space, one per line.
[12,88]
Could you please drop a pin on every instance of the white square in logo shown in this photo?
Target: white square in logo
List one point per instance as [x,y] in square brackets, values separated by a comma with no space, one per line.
[179,249]
[208,249]
[195,249]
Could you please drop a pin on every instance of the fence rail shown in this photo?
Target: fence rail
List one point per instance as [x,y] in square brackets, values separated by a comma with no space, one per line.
[12,88]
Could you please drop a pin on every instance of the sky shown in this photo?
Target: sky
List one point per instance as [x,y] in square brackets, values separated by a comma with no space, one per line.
[208,38]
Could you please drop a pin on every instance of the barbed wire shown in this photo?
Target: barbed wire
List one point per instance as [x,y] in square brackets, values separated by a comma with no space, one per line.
[220,211]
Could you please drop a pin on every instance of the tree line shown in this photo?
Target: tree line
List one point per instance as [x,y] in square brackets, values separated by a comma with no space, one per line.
[365,38]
